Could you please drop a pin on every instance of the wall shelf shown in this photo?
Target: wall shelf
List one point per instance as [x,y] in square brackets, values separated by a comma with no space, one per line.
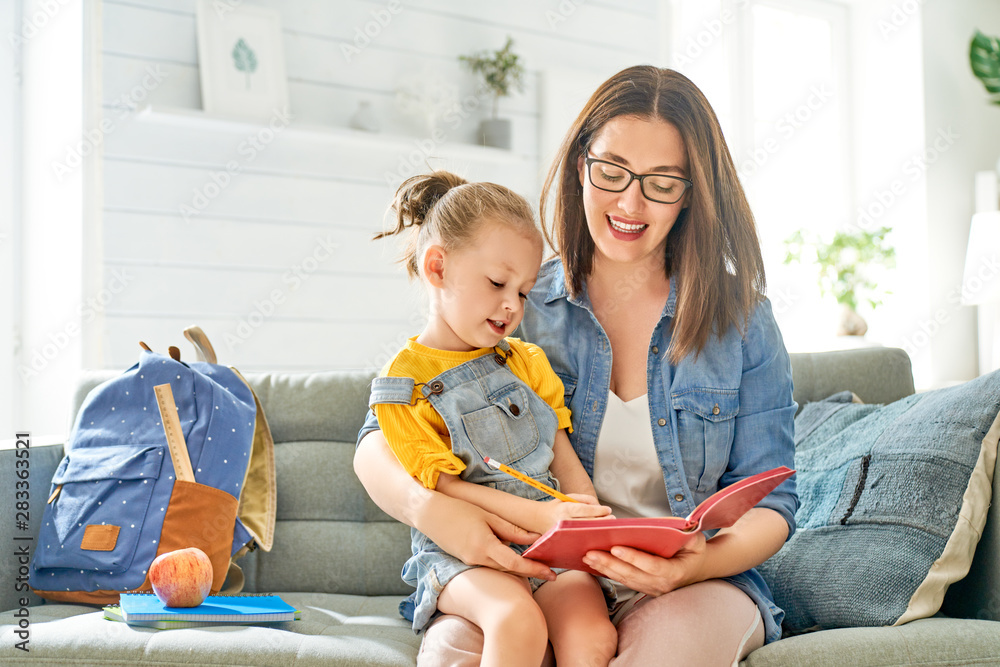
[197,119]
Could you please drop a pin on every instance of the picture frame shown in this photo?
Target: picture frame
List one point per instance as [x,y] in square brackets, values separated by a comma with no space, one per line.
[241,60]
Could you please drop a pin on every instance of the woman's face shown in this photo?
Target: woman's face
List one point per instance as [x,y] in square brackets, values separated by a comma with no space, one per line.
[626,227]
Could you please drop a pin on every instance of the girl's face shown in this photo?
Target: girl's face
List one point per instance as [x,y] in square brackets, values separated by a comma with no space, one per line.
[627,227]
[478,291]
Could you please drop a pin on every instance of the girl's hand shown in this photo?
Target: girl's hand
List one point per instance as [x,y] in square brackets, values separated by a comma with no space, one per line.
[553,511]
[649,573]
[585,498]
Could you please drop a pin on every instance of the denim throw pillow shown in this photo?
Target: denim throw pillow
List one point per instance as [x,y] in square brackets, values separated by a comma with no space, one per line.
[893,502]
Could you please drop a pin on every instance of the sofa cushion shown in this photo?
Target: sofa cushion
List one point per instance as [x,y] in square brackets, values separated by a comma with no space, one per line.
[334,630]
[893,501]
[931,641]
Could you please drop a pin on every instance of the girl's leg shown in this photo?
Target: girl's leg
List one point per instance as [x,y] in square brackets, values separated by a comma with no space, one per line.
[501,604]
[708,623]
[577,617]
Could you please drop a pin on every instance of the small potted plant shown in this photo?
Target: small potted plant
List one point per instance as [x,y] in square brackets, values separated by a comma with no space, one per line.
[501,72]
[844,265]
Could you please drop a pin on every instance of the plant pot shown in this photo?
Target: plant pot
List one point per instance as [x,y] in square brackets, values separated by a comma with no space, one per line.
[851,324]
[495,132]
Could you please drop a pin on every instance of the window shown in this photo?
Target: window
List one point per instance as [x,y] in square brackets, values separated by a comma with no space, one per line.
[10,153]
[776,71]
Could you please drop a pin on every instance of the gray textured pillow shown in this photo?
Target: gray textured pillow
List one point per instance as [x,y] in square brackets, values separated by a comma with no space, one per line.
[893,501]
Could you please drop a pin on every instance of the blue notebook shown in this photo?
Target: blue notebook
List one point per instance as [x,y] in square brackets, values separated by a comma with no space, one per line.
[217,608]
[113,612]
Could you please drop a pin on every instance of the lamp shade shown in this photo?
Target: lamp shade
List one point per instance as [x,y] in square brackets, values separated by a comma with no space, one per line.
[981,278]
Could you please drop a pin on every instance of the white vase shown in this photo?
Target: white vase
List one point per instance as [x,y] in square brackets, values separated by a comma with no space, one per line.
[364,118]
[851,324]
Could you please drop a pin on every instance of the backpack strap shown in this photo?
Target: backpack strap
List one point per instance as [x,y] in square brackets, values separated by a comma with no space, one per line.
[258,501]
[202,346]
[234,580]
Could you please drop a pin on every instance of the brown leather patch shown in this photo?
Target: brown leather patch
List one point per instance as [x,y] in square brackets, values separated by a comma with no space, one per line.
[99,537]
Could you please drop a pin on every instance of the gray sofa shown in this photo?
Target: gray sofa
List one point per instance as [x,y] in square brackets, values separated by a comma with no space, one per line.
[337,557]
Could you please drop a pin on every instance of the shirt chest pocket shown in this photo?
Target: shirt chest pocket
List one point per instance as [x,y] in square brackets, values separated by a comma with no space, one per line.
[705,426]
[506,429]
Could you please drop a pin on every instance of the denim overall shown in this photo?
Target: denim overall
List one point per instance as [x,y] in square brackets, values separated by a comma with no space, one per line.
[490,412]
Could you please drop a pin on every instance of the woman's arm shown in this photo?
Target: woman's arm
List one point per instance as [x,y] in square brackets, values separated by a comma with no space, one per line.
[464,530]
[749,542]
[566,467]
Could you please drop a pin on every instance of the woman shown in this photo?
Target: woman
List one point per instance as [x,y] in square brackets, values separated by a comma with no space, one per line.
[673,367]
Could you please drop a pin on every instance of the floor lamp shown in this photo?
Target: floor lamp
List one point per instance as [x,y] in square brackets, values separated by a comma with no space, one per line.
[981,285]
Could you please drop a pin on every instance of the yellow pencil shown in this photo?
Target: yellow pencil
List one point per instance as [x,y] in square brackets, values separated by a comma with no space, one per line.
[496,465]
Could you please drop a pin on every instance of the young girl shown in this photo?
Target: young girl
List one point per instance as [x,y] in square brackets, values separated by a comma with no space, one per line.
[461,391]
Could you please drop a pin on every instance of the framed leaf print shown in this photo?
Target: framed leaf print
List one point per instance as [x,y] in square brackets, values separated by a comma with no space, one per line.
[241,60]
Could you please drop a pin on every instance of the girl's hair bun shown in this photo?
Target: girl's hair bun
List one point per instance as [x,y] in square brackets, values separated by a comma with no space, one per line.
[416,196]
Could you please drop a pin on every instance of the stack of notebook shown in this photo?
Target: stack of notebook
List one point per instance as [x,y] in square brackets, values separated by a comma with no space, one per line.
[146,610]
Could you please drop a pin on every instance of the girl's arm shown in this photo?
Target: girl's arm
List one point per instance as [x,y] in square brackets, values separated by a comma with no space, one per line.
[464,530]
[532,514]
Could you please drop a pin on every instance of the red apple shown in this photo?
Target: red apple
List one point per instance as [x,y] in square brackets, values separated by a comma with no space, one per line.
[181,578]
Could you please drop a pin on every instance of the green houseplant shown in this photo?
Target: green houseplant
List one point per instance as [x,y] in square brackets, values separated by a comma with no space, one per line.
[984,58]
[501,72]
[845,265]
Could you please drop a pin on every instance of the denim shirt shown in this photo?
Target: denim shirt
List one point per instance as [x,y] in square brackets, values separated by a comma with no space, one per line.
[716,419]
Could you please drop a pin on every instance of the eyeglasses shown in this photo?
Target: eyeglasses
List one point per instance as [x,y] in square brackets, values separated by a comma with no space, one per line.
[658,188]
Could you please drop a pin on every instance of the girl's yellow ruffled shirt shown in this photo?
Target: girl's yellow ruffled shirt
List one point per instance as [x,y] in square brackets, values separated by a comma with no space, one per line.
[418,435]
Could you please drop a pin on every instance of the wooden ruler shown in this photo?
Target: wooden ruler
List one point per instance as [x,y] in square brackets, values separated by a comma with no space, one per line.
[172,429]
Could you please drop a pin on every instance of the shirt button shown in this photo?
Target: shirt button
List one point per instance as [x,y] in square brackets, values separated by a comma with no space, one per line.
[661,421]
[514,410]
[679,497]
[715,410]
[655,350]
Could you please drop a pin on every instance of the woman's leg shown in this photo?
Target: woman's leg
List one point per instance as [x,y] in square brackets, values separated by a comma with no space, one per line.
[501,604]
[577,617]
[453,641]
[708,623]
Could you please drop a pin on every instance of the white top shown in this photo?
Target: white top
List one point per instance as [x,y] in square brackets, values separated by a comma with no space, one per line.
[627,473]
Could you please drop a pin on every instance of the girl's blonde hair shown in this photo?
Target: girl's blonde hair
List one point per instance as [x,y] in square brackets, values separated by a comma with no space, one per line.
[713,246]
[446,208]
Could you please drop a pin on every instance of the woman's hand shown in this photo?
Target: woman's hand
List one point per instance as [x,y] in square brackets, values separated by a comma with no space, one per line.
[474,536]
[754,538]
[649,573]
[464,530]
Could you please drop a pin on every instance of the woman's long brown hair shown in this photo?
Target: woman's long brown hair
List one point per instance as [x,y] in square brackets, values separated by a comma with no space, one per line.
[712,250]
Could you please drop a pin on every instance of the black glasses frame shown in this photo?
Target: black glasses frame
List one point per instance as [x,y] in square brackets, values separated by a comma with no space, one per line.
[634,177]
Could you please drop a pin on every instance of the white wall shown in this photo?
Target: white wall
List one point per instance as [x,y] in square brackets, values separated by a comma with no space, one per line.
[277,266]
[959,118]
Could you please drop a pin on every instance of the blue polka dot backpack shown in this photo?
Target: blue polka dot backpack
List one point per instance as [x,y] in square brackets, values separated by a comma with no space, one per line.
[166,456]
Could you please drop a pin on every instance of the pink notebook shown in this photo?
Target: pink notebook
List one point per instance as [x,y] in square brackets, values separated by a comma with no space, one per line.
[565,544]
